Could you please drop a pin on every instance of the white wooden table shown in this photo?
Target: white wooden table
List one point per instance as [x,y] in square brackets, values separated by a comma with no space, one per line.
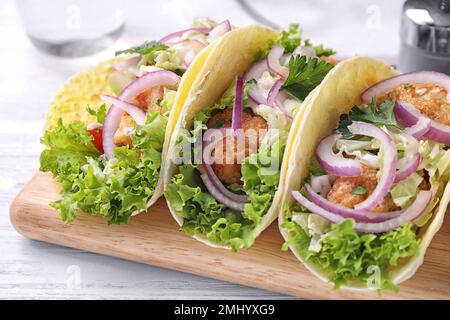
[28,79]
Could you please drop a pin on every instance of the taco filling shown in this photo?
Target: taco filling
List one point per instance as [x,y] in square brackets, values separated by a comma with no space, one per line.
[224,191]
[111,167]
[374,183]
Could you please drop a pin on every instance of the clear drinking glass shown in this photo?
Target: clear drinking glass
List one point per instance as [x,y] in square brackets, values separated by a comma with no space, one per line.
[72,28]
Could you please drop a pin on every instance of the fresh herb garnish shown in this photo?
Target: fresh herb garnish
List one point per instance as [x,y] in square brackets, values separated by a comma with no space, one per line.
[100,113]
[305,75]
[359,190]
[323,52]
[407,85]
[290,38]
[380,116]
[146,48]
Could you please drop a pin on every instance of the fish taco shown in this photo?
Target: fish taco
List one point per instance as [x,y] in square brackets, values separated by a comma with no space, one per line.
[108,129]
[222,174]
[365,187]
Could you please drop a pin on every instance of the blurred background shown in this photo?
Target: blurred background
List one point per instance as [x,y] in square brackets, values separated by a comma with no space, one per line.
[29,78]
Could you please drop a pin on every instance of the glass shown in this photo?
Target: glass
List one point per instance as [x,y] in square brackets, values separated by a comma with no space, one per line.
[72,28]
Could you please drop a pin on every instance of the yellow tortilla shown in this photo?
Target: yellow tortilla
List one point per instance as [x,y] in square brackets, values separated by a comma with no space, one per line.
[337,94]
[85,88]
[232,56]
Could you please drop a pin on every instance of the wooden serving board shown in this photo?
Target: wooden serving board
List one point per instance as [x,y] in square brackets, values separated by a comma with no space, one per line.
[154,238]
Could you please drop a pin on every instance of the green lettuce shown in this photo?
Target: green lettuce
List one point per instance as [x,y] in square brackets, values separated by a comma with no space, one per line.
[347,256]
[92,184]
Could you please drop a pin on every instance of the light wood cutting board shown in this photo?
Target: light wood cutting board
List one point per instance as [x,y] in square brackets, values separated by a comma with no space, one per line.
[154,238]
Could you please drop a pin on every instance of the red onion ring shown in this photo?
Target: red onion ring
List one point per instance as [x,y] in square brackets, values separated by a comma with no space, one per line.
[333,163]
[256,70]
[389,162]
[276,98]
[137,114]
[220,30]
[421,127]
[219,196]
[215,187]
[280,99]
[254,73]
[179,34]
[274,91]
[236,121]
[439,133]
[409,116]
[386,86]
[147,81]
[414,211]
[273,61]
[221,188]
[359,216]
[256,95]
[412,166]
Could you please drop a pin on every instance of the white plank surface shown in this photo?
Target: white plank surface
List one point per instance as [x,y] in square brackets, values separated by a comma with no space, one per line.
[28,79]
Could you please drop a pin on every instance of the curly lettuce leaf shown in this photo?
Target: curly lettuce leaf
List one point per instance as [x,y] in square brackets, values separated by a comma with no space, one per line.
[92,184]
[202,214]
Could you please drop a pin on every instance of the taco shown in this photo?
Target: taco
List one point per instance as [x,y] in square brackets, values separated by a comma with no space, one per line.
[222,174]
[108,129]
[365,187]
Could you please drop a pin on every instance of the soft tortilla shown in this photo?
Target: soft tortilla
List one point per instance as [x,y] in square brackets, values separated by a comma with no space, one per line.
[85,88]
[337,94]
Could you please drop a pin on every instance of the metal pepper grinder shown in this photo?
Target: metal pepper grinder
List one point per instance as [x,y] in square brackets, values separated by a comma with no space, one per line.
[425,36]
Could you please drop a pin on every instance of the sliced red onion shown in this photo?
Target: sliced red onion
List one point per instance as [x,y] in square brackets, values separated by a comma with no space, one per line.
[137,114]
[220,30]
[409,116]
[236,122]
[333,163]
[389,162]
[125,64]
[415,210]
[274,91]
[273,61]
[421,127]
[219,196]
[321,184]
[257,96]
[439,133]
[256,70]
[221,188]
[280,99]
[147,81]
[207,161]
[179,34]
[409,168]
[359,216]
[386,86]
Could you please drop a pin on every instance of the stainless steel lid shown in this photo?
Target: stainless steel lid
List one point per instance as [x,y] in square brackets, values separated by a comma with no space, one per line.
[426,25]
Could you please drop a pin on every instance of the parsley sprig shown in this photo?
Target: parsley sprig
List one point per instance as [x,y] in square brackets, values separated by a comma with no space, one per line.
[305,75]
[380,116]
